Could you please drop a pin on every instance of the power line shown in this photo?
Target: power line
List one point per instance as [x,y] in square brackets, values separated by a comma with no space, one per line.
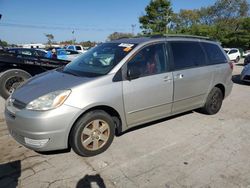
[31,26]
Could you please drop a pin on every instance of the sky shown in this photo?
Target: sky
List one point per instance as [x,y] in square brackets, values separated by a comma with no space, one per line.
[27,21]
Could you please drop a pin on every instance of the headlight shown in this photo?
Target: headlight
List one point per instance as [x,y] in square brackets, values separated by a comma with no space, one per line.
[49,101]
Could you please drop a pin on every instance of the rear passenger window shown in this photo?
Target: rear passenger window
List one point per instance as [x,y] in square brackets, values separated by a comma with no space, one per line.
[187,55]
[214,53]
[233,51]
[78,48]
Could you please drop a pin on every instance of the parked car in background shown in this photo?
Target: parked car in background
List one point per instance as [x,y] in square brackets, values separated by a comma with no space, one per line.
[246,53]
[51,48]
[27,51]
[116,86]
[245,74]
[68,55]
[77,48]
[18,65]
[233,54]
[247,60]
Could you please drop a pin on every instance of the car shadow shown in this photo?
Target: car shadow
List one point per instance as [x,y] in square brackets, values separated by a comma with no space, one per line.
[87,180]
[154,122]
[54,152]
[236,79]
[9,174]
[239,64]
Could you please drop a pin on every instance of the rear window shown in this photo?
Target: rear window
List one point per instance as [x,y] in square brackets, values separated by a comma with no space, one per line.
[71,47]
[78,48]
[233,51]
[187,54]
[214,53]
[25,52]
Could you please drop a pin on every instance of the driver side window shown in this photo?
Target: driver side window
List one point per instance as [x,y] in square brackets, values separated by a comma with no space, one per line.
[149,61]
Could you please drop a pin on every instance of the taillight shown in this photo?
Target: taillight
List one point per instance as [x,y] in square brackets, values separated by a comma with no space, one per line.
[231,65]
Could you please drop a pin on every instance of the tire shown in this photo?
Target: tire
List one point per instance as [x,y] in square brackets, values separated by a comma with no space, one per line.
[92,134]
[213,102]
[10,80]
[237,59]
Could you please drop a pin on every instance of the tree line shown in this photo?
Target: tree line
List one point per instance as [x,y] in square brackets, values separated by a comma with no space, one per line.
[227,21]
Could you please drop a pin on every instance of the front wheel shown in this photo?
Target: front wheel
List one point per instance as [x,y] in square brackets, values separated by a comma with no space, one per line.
[213,102]
[10,80]
[92,134]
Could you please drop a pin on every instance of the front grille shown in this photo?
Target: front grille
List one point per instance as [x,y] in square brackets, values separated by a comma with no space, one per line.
[18,104]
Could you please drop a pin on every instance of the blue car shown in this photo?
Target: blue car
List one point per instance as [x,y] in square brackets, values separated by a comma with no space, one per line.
[68,55]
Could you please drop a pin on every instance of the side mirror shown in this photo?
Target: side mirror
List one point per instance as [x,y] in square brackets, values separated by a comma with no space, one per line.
[133,72]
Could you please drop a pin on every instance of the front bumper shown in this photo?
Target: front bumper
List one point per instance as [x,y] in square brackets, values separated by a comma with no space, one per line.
[41,130]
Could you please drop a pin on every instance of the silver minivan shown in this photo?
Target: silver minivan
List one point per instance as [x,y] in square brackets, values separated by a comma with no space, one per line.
[116,86]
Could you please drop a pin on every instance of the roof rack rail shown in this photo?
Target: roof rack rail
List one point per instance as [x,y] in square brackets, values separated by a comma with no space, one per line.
[182,36]
[187,36]
[156,36]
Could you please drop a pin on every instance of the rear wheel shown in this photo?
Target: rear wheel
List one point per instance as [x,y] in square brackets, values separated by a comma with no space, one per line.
[214,102]
[237,59]
[10,80]
[93,133]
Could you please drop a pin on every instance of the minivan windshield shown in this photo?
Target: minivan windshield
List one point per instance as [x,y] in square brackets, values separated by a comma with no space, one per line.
[98,60]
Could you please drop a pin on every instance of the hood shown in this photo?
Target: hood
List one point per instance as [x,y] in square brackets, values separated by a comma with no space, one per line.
[46,83]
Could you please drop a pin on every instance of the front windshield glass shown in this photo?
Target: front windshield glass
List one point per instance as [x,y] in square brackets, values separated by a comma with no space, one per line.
[99,60]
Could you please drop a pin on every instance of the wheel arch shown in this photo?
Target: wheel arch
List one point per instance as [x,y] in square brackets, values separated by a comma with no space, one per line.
[109,110]
[222,88]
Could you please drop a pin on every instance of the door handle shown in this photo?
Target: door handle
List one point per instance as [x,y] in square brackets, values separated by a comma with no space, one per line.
[179,76]
[167,78]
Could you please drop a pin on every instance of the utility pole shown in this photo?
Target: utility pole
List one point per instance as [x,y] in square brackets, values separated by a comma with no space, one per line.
[73,37]
[133,28]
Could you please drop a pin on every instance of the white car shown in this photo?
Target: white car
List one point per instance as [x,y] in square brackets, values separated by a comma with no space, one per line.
[233,54]
[246,53]
[77,48]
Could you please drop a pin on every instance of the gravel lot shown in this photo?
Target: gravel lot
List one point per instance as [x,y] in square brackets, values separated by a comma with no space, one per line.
[190,150]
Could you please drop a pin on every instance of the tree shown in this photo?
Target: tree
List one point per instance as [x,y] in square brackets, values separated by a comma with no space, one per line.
[206,15]
[188,18]
[118,35]
[67,42]
[50,38]
[227,21]
[3,43]
[157,17]
[88,44]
